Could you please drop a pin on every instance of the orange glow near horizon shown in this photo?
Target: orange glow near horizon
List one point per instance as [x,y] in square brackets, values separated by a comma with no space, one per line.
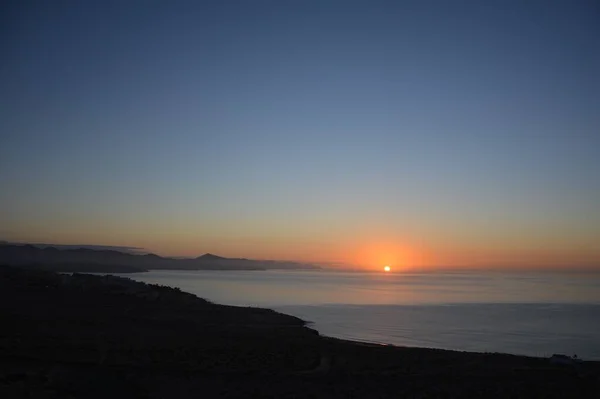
[373,255]
[369,251]
[387,269]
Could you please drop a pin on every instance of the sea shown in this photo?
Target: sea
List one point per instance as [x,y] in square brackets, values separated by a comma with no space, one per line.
[525,313]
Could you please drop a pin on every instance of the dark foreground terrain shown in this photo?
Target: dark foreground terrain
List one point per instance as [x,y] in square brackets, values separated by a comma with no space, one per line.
[84,336]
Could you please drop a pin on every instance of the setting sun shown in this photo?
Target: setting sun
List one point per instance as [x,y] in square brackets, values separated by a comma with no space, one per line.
[387,268]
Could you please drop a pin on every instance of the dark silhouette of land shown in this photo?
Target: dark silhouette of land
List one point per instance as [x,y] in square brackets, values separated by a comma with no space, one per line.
[88,260]
[85,336]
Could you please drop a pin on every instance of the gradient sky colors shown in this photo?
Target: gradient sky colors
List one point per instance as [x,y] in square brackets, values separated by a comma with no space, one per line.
[413,133]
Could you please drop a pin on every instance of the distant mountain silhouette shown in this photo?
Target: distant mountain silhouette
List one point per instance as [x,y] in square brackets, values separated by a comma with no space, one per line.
[119,248]
[70,260]
[111,261]
[210,257]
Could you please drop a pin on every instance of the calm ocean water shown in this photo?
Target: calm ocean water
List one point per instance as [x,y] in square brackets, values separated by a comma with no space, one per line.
[527,313]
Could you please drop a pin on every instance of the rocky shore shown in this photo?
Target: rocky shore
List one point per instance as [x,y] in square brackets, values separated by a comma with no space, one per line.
[85,336]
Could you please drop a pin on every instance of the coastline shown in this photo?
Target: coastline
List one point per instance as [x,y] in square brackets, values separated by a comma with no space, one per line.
[397,310]
[68,334]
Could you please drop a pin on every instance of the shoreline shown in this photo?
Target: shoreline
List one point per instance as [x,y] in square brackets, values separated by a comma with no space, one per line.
[310,324]
[92,336]
[398,324]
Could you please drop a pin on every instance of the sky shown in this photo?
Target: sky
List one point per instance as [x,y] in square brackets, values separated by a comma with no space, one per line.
[412,133]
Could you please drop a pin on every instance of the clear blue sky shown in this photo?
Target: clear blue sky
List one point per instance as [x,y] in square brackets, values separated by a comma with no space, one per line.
[299,129]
